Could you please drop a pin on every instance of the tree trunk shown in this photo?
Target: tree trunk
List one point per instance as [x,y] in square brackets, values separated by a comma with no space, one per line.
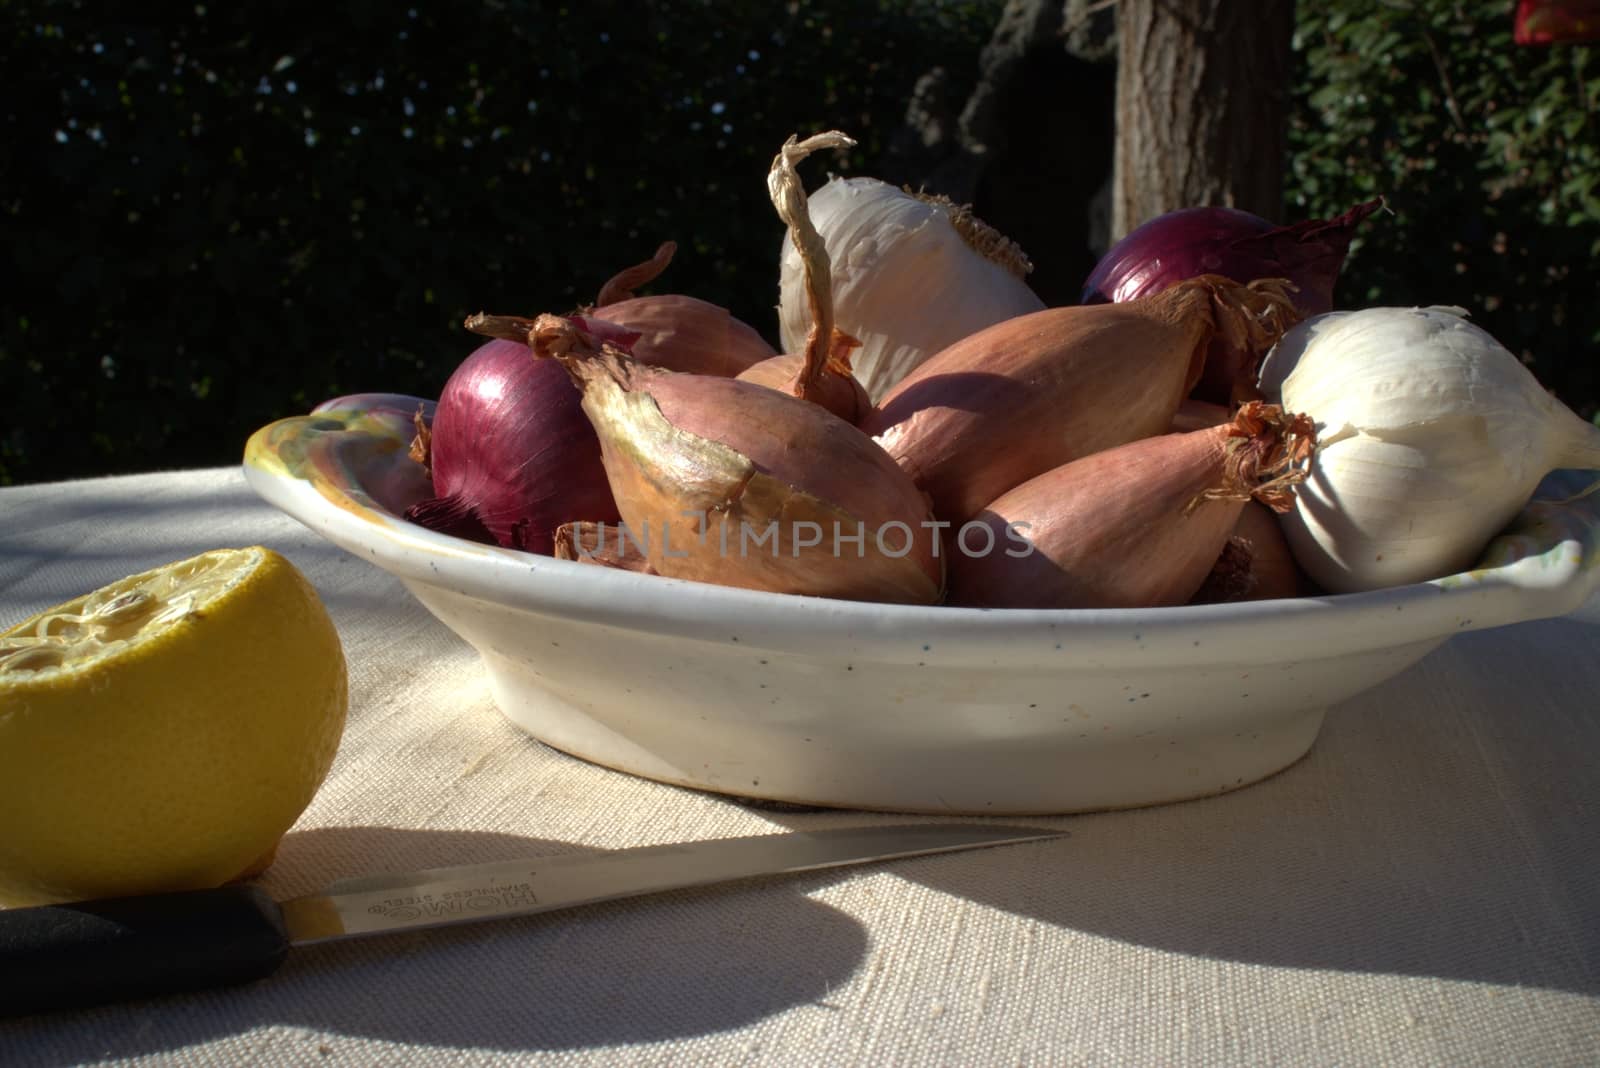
[1030,148]
[1202,107]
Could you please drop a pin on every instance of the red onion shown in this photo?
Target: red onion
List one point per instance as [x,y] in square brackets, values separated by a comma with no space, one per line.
[511,453]
[1235,244]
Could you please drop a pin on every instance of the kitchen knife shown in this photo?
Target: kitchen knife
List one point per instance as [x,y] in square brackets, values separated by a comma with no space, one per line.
[92,952]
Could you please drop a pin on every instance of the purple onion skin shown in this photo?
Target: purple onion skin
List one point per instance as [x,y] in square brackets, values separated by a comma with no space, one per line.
[513,454]
[1170,248]
[1238,245]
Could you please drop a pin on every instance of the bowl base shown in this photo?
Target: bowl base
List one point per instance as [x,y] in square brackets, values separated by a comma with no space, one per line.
[998,776]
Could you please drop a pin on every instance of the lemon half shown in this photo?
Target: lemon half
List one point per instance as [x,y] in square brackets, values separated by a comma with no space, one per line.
[163,732]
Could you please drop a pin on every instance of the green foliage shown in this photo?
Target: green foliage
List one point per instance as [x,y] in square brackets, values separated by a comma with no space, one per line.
[217,215]
[1489,156]
[222,214]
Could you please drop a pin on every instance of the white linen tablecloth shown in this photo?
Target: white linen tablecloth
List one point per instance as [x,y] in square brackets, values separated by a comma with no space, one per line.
[1423,888]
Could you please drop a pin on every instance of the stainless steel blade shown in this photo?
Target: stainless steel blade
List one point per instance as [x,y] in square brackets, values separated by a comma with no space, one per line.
[434,898]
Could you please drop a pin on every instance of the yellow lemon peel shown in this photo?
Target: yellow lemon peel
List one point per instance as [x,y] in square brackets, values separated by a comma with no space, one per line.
[163,732]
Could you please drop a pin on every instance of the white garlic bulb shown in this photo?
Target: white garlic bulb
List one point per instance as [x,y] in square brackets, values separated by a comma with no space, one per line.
[911,276]
[1431,437]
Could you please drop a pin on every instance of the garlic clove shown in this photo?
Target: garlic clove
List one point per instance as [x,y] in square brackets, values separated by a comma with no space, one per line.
[910,276]
[1335,328]
[1433,436]
[1374,513]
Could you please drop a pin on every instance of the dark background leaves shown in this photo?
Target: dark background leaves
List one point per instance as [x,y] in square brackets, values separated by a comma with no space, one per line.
[217,215]
[1489,154]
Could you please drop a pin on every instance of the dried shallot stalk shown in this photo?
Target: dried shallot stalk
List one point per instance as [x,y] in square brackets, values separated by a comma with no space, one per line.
[821,372]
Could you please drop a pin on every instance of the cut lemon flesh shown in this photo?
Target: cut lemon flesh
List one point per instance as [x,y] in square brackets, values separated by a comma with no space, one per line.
[110,618]
[164,731]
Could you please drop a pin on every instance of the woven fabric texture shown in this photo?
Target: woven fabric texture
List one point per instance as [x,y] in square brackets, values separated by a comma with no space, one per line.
[1422,889]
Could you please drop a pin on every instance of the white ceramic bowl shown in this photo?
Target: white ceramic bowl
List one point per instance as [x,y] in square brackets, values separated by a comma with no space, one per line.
[939,710]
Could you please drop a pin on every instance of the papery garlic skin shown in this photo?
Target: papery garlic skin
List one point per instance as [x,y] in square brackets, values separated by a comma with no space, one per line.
[907,282]
[1432,436]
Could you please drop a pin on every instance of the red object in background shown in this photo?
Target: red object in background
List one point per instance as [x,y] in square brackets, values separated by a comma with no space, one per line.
[1545,22]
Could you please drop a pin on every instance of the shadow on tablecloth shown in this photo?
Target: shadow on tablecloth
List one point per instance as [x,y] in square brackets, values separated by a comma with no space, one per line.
[578,978]
[1443,825]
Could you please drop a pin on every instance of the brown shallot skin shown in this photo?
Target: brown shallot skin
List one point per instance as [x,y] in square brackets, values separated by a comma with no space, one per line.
[678,332]
[1136,526]
[701,465]
[836,389]
[840,394]
[1032,393]
[687,334]
[1256,564]
[1198,415]
[603,544]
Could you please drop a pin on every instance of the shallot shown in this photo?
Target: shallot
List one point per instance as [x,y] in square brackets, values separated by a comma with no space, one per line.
[1256,564]
[605,544]
[733,483]
[1032,393]
[1136,526]
[1198,415]
[675,331]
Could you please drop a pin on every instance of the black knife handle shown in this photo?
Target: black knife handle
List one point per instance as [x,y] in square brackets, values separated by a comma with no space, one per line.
[92,952]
